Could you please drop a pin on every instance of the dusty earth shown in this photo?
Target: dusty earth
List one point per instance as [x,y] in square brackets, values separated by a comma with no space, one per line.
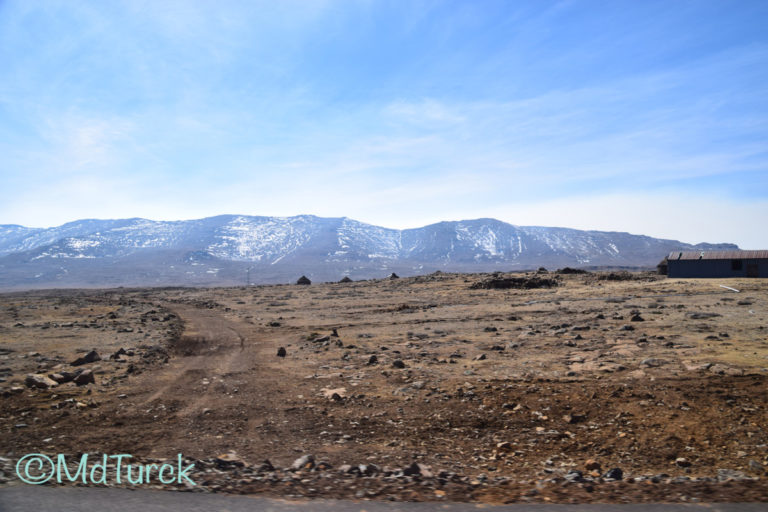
[494,388]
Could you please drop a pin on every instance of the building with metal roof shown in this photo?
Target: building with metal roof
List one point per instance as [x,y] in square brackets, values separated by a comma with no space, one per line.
[717,264]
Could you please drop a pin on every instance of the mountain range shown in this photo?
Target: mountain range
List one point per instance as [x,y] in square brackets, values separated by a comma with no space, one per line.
[235,249]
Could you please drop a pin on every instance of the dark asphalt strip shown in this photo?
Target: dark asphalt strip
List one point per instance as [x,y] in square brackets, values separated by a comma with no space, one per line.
[75,499]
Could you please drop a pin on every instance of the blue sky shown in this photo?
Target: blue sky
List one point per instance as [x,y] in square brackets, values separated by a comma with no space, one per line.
[647,117]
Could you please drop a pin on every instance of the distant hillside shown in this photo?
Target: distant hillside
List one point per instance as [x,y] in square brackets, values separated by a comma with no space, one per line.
[225,249]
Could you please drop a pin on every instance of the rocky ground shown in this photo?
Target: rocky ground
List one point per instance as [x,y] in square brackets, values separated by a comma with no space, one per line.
[561,387]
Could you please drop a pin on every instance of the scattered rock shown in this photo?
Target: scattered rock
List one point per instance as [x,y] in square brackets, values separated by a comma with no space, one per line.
[266,466]
[90,357]
[85,377]
[228,460]
[574,475]
[724,475]
[756,467]
[702,316]
[417,469]
[303,462]
[336,394]
[525,283]
[281,352]
[398,363]
[614,474]
[592,465]
[574,418]
[569,270]
[121,351]
[35,380]
[373,360]
[368,469]
[63,377]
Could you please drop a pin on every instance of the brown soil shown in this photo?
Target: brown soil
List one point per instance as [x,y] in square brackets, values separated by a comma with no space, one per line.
[501,393]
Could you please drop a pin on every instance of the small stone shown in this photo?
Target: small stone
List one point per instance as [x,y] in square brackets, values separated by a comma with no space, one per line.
[637,318]
[266,466]
[373,360]
[121,351]
[417,469]
[229,459]
[614,474]
[574,475]
[304,462]
[480,357]
[397,363]
[574,418]
[682,462]
[724,475]
[592,465]
[368,469]
[281,352]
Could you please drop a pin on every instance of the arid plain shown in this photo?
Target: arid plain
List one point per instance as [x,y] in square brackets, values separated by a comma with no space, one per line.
[561,387]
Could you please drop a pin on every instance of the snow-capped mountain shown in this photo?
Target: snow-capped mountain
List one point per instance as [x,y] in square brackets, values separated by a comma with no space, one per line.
[226,248]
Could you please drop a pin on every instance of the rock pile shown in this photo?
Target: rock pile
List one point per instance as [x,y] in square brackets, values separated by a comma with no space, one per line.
[523,283]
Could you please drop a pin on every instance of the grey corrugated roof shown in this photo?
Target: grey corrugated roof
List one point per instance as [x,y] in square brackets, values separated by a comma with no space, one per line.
[717,255]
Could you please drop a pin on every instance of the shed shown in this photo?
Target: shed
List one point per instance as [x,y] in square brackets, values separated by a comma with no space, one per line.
[717,264]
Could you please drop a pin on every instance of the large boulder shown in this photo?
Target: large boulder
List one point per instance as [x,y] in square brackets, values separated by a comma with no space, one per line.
[85,377]
[63,377]
[36,380]
[90,357]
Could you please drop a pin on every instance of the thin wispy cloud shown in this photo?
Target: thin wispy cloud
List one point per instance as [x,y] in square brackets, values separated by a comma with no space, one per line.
[397,115]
